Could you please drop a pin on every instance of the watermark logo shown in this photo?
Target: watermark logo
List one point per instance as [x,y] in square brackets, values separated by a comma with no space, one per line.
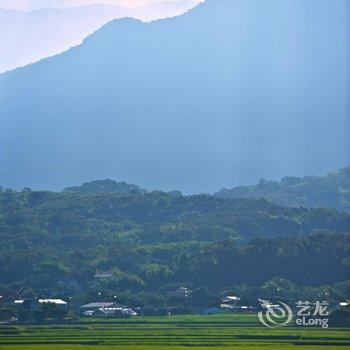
[306,314]
[274,316]
[312,314]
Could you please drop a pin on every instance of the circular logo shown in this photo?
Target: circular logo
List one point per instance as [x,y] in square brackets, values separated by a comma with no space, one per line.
[276,315]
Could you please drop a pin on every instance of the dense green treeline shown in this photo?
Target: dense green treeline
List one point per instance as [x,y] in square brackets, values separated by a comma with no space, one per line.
[59,241]
[309,260]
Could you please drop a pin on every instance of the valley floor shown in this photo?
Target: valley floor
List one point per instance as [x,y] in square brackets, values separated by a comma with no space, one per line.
[173,333]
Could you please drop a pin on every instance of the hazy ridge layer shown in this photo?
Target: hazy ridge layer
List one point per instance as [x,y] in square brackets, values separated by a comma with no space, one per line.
[27,37]
[231,92]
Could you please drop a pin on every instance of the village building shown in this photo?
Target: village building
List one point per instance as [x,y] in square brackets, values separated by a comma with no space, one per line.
[106,309]
[230,303]
[181,292]
[58,302]
[8,295]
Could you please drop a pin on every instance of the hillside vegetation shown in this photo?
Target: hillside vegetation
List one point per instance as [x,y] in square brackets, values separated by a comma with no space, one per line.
[331,191]
[52,241]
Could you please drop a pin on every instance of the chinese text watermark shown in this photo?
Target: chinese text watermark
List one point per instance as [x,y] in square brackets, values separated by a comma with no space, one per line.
[305,314]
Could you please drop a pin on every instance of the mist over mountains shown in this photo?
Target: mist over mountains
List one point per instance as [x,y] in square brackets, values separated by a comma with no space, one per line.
[27,37]
[226,94]
[34,5]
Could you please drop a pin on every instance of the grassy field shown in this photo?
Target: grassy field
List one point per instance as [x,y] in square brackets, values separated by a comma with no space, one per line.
[175,332]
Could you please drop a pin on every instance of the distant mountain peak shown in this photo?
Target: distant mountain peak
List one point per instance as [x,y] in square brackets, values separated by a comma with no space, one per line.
[228,93]
[68,27]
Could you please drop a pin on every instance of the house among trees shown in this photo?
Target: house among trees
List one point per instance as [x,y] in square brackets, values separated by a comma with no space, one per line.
[58,302]
[32,304]
[230,303]
[29,304]
[181,292]
[114,312]
[97,305]
[8,295]
[106,309]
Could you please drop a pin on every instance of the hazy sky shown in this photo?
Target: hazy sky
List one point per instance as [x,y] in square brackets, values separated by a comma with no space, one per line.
[30,5]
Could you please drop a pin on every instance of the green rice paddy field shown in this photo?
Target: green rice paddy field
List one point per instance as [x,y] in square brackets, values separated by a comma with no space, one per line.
[175,332]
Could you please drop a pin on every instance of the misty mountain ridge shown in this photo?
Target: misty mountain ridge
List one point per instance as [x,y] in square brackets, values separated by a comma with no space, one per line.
[331,191]
[205,100]
[24,38]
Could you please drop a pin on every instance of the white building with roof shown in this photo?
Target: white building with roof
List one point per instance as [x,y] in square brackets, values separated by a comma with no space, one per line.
[57,302]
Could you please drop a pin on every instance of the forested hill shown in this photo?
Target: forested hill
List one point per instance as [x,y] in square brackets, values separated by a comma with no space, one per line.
[112,186]
[331,191]
[155,217]
[106,186]
[148,239]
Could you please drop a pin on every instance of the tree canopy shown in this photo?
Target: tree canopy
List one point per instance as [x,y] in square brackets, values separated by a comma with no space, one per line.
[58,242]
